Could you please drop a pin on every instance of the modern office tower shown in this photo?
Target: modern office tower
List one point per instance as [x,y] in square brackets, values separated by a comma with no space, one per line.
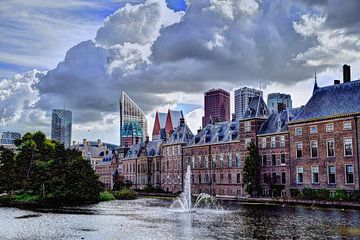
[61,123]
[279,101]
[133,124]
[9,137]
[217,106]
[243,97]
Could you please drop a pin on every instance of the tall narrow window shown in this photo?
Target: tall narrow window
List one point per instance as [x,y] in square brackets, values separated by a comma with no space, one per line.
[263,142]
[213,161]
[348,149]
[200,178]
[229,178]
[330,147]
[314,174]
[238,178]
[221,178]
[282,141]
[299,149]
[193,162]
[273,160]
[264,160]
[229,161]
[248,126]
[314,149]
[283,178]
[221,161]
[273,178]
[282,159]
[349,174]
[332,174]
[273,142]
[238,160]
[299,175]
[214,178]
[206,162]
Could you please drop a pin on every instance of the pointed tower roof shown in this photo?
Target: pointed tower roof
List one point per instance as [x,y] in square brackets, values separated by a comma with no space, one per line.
[257,108]
[316,87]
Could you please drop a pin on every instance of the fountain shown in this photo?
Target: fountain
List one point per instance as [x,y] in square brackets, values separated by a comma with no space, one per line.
[184,201]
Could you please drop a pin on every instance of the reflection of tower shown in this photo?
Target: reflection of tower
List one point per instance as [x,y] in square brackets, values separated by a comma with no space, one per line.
[133,124]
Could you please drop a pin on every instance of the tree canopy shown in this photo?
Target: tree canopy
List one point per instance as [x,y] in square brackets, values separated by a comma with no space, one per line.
[44,167]
[252,171]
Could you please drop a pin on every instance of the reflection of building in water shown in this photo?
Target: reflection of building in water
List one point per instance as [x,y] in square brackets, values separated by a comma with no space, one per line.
[133,124]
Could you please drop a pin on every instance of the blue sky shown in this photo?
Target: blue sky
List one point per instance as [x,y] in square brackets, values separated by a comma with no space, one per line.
[93,50]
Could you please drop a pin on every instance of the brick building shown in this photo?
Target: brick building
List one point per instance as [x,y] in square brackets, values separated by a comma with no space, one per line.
[172,162]
[108,169]
[324,139]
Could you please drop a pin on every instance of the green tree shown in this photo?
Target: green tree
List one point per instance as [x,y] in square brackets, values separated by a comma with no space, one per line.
[7,170]
[252,171]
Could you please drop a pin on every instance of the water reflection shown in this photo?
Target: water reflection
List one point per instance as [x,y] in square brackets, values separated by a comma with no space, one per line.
[153,219]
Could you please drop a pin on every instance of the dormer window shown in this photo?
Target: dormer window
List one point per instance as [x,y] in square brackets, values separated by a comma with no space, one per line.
[220,138]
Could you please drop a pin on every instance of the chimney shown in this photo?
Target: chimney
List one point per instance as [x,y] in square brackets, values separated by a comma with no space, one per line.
[182,121]
[99,142]
[336,82]
[84,142]
[346,73]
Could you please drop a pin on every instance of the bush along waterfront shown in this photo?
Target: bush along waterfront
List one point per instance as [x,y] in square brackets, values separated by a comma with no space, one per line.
[325,195]
[42,170]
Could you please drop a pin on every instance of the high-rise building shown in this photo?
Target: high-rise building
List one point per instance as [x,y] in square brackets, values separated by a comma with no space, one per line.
[243,97]
[9,137]
[133,124]
[61,123]
[217,106]
[279,101]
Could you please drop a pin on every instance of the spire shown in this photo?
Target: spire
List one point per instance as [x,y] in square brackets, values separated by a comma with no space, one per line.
[315,84]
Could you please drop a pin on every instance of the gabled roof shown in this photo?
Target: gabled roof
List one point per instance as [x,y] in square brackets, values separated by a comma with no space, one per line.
[153,148]
[257,108]
[278,122]
[134,151]
[181,134]
[331,101]
[217,133]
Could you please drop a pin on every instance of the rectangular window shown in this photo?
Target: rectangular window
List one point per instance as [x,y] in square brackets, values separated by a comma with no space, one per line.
[273,160]
[248,126]
[247,142]
[229,178]
[314,149]
[263,142]
[330,148]
[329,127]
[213,161]
[273,142]
[349,174]
[299,149]
[313,129]
[348,149]
[192,179]
[214,178]
[199,178]
[229,161]
[206,162]
[282,159]
[282,141]
[299,175]
[221,161]
[193,162]
[347,125]
[314,174]
[206,178]
[298,131]
[238,160]
[221,178]
[238,178]
[283,178]
[273,178]
[264,160]
[332,174]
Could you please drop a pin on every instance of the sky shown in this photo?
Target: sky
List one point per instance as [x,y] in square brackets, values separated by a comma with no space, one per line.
[81,54]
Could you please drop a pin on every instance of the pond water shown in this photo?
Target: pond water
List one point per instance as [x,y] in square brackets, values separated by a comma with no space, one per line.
[153,219]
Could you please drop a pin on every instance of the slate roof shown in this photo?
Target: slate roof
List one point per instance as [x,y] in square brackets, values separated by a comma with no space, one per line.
[278,122]
[217,133]
[181,134]
[257,108]
[330,101]
[134,151]
[153,148]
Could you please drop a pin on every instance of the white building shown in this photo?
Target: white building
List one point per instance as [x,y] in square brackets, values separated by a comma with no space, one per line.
[243,97]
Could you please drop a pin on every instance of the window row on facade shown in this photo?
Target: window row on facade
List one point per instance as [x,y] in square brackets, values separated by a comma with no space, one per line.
[329,127]
[217,161]
[220,178]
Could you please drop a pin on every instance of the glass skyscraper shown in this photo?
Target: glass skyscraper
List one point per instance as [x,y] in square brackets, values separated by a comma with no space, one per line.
[61,123]
[242,98]
[133,124]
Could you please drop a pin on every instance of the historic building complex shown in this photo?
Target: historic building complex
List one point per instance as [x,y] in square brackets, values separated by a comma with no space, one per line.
[314,146]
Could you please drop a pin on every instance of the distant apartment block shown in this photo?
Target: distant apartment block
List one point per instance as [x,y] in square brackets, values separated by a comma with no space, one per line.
[243,97]
[279,101]
[9,137]
[61,123]
[217,106]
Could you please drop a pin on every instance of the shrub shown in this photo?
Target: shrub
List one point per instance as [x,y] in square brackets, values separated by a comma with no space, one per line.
[308,193]
[356,195]
[340,195]
[106,196]
[24,197]
[125,194]
[294,193]
[323,194]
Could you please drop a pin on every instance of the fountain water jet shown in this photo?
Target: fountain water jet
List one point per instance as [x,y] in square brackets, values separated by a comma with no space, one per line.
[184,200]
